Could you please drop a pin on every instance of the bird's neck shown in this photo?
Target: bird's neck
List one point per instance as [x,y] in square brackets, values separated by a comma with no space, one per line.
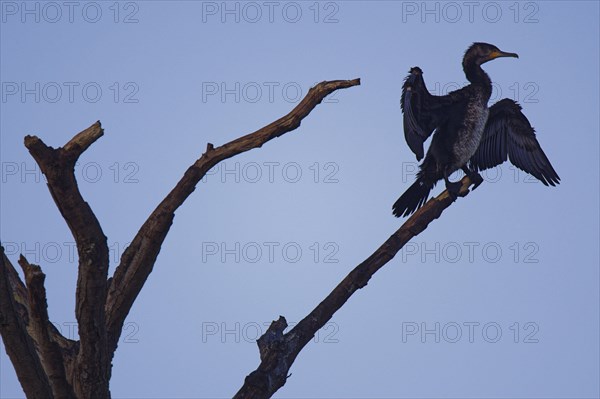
[477,76]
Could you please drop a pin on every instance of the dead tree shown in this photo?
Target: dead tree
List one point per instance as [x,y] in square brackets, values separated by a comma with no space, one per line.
[48,365]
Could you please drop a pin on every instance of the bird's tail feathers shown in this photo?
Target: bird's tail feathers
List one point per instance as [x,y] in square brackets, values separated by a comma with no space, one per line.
[413,198]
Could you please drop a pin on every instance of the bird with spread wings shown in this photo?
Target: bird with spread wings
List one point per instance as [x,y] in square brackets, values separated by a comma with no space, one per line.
[468,135]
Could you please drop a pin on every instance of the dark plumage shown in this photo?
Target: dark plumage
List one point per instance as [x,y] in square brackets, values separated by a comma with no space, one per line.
[466,132]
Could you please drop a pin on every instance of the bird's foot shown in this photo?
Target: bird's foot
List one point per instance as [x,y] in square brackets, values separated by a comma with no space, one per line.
[474,176]
[453,189]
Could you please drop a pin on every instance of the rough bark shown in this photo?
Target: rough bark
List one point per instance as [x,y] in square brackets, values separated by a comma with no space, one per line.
[91,374]
[278,350]
[39,329]
[14,317]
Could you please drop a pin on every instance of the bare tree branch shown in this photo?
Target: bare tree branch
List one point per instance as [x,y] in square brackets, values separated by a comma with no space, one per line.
[278,350]
[138,259]
[39,330]
[58,166]
[20,347]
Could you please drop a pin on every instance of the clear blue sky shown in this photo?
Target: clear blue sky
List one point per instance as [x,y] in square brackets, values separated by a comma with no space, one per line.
[497,298]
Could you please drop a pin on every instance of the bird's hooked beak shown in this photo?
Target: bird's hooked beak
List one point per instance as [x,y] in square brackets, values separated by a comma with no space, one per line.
[498,54]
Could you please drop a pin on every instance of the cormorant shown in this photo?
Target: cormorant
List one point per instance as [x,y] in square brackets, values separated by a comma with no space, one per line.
[466,131]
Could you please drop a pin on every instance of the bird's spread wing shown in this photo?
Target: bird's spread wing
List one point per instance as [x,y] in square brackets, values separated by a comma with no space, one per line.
[508,133]
[423,112]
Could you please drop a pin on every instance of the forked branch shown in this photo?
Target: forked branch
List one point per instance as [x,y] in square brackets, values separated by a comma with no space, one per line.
[58,165]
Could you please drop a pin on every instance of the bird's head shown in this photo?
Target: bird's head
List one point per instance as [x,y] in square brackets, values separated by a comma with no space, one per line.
[480,53]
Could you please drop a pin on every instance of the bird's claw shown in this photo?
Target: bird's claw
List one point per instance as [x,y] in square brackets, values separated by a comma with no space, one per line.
[453,189]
